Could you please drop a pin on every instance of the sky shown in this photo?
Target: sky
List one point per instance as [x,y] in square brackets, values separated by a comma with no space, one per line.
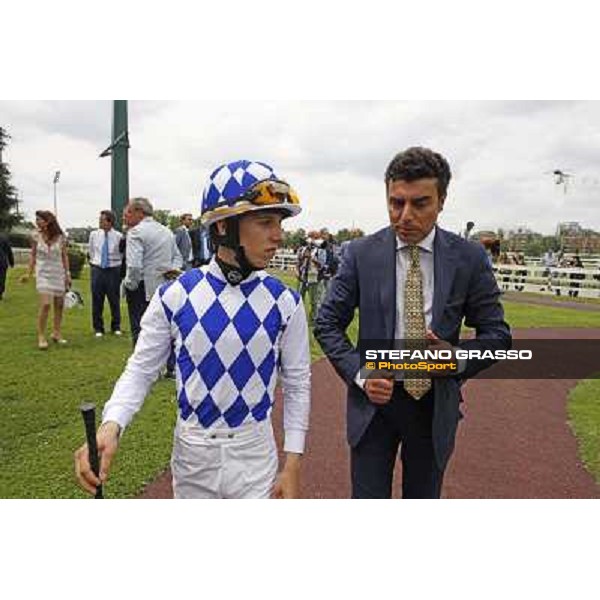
[334,153]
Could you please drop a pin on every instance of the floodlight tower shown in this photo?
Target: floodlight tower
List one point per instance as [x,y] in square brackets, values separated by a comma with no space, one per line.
[55,181]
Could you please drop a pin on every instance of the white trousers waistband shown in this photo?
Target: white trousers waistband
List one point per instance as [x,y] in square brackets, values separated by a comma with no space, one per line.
[194,432]
[224,463]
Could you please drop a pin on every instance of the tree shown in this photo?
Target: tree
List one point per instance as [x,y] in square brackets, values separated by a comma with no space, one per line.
[174,222]
[345,234]
[293,239]
[79,234]
[167,218]
[8,193]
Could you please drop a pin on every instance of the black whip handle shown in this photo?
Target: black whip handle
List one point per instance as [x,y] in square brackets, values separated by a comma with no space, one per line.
[88,411]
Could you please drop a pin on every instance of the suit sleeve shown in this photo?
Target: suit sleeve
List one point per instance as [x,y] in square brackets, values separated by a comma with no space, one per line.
[483,312]
[134,251]
[335,314]
[177,260]
[178,238]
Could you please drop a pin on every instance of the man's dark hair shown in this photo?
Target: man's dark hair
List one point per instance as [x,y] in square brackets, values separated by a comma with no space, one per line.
[109,215]
[418,163]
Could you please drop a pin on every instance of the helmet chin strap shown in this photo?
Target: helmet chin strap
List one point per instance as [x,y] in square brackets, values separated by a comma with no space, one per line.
[234,274]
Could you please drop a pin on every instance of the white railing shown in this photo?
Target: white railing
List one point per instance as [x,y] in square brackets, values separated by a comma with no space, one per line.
[549,280]
[589,261]
[532,277]
[284,260]
[21,255]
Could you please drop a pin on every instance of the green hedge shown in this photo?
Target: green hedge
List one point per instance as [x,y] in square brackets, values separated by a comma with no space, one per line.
[19,240]
[76,262]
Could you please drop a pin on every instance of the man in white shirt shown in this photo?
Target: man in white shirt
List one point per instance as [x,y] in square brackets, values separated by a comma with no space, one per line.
[235,330]
[151,256]
[549,260]
[105,261]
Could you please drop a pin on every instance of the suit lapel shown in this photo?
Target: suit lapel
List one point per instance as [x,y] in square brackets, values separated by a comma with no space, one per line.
[444,266]
[386,251]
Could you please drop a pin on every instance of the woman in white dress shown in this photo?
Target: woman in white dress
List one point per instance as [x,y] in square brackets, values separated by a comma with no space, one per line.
[50,261]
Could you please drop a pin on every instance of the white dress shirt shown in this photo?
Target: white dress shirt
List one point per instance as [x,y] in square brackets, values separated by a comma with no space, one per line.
[96,241]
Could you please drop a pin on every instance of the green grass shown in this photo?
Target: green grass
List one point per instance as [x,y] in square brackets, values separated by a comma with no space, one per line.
[40,394]
[520,315]
[561,298]
[584,417]
[40,421]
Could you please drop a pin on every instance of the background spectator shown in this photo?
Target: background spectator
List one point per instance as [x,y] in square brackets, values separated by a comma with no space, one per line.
[6,260]
[104,249]
[50,262]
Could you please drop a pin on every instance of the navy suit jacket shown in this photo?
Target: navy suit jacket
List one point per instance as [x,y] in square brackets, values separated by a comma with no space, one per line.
[464,288]
[184,244]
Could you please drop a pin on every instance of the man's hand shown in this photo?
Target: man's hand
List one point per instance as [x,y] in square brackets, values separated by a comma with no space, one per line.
[172,274]
[437,344]
[379,387]
[288,482]
[108,442]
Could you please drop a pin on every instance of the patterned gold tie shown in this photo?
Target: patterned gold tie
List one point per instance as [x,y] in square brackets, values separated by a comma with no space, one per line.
[414,321]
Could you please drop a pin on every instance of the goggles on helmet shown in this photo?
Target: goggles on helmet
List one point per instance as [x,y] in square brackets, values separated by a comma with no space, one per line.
[269,192]
[265,194]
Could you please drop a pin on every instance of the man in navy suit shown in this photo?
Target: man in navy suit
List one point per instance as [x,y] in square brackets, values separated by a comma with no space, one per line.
[377,275]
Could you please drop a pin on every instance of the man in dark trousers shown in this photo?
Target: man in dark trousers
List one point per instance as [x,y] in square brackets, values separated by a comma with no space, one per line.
[6,260]
[105,260]
[409,280]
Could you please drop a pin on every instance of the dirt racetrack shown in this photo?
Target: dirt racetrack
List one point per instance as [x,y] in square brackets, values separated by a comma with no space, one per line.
[514,441]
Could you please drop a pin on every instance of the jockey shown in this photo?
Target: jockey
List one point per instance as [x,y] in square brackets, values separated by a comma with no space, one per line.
[235,330]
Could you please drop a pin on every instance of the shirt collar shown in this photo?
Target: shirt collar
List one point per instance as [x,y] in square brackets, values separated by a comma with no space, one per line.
[214,269]
[425,244]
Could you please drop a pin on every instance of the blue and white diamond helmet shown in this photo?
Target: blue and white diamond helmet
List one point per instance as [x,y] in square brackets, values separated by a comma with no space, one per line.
[245,186]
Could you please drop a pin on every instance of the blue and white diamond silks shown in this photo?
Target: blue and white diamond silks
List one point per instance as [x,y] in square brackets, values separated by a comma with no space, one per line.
[229,182]
[226,343]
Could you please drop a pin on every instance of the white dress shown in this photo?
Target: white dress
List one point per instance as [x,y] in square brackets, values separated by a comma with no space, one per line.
[49,269]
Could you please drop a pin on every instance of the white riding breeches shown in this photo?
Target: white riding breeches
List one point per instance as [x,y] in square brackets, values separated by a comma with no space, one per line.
[224,463]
